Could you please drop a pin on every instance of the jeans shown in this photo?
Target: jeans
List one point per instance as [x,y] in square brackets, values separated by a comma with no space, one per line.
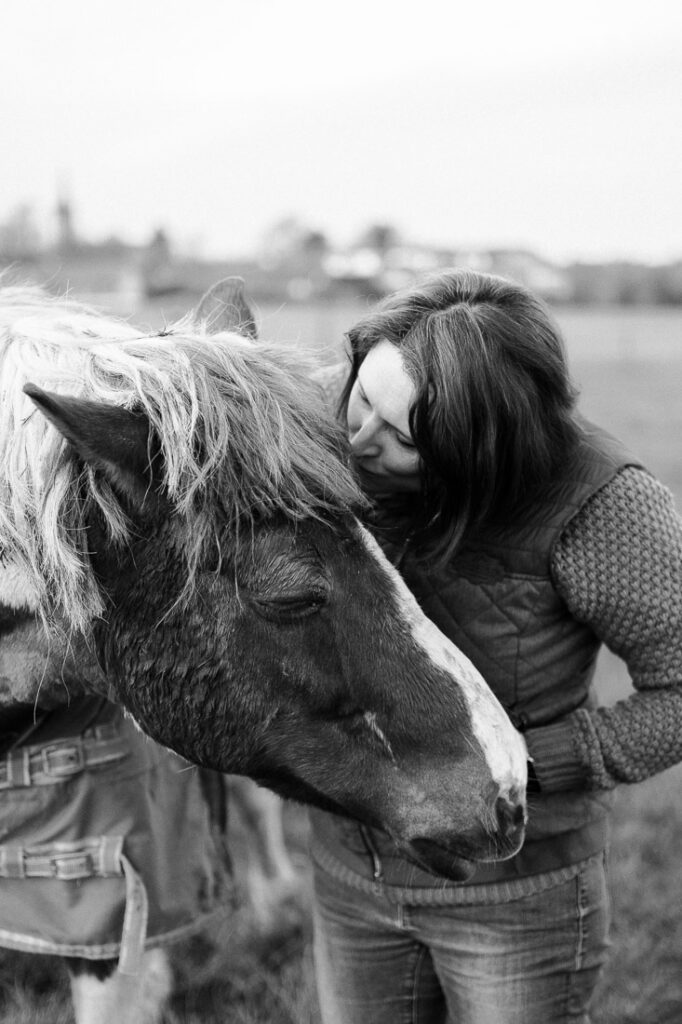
[531,960]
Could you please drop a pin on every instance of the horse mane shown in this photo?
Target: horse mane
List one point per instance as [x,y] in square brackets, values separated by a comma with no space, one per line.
[242,430]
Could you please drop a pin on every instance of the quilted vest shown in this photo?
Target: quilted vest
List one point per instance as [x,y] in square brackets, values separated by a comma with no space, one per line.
[497,603]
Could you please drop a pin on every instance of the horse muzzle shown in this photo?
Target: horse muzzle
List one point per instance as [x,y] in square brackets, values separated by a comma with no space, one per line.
[456,857]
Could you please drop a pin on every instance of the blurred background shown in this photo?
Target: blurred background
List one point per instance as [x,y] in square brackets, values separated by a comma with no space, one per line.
[332,153]
[329,151]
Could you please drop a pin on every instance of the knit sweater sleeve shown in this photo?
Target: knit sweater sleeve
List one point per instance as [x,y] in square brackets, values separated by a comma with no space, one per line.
[618,567]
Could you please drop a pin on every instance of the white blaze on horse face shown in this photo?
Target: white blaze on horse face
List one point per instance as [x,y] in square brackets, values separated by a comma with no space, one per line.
[503,746]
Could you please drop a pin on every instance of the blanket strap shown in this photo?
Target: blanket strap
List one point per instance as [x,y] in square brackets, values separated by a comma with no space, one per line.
[100,857]
[49,763]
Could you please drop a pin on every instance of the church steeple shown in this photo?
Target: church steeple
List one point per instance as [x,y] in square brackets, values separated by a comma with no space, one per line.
[66,237]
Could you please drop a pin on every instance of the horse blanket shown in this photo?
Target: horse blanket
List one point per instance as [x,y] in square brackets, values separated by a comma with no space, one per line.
[106,840]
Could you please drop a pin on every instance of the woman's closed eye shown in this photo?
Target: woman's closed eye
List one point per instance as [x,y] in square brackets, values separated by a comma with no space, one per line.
[402,439]
[405,442]
[361,394]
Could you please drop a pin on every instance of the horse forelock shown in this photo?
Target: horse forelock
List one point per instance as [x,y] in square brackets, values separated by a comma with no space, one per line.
[242,431]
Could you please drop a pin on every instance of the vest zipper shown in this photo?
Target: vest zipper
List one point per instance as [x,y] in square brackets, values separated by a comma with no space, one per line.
[377,869]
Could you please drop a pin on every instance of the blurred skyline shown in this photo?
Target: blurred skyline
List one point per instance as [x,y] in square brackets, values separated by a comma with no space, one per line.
[551,127]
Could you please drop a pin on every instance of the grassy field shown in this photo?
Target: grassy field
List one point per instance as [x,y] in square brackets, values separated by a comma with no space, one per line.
[629,367]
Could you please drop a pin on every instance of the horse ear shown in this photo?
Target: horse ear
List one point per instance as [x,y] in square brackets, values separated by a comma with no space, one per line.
[107,437]
[224,307]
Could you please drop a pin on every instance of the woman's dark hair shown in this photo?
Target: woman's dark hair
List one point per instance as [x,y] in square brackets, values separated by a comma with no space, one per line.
[493,415]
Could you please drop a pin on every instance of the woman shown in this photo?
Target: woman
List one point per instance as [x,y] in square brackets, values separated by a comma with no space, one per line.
[530,537]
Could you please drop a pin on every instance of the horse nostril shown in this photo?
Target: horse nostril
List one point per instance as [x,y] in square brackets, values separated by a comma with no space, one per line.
[510,816]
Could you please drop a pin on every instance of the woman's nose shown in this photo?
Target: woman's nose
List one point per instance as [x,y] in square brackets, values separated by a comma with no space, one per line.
[365,440]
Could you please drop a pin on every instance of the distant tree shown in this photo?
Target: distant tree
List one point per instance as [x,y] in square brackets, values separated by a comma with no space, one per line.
[668,284]
[315,243]
[159,248]
[379,237]
[294,254]
[19,236]
[284,238]
[157,266]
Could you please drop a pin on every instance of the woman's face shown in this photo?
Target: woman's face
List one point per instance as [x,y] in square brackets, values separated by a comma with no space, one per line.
[378,423]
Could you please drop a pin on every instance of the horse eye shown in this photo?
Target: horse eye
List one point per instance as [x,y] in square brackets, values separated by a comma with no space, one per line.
[289,607]
[348,716]
[347,709]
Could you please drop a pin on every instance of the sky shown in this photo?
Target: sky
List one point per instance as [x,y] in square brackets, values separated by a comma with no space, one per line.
[544,125]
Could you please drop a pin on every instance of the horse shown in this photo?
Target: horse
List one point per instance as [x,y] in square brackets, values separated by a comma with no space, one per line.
[180,533]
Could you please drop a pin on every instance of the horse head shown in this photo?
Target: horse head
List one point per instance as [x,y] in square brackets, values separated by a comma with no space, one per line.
[186,512]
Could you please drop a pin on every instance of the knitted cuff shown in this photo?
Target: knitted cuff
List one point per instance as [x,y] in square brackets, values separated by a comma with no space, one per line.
[552,750]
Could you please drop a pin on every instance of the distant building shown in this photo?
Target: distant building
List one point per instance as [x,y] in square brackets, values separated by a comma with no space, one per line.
[546,279]
[297,263]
